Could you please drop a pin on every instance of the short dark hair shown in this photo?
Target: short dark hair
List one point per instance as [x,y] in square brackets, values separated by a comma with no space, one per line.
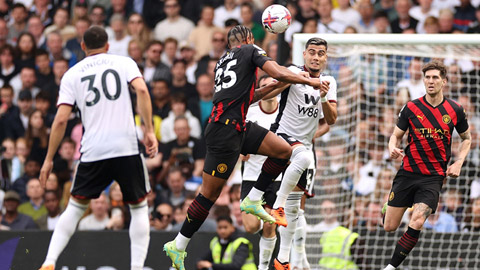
[43,95]
[7,87]
[225,218]
[19,5]
[179,98]
[95,37]
[316,41]
[179,60]
[263,77]
[435,65]
[153,42]
[40,52]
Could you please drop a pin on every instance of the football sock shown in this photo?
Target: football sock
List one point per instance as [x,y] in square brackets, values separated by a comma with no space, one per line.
[196,214]
[389,267]
[139,232]
[300,161]
[406,243]
[266,247]
[271,169]
[298,251]
[292,207]
[64,230]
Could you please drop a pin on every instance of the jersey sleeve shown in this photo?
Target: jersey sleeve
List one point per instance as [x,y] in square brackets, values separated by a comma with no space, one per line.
[131,70]
[462,123]
[402,122]
[259,56]
[66,94]
[332,92]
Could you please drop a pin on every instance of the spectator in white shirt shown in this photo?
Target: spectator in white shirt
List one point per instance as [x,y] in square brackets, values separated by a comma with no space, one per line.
[174,25]
[327,24]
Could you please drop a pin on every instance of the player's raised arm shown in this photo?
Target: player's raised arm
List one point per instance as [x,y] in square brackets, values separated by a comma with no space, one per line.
[270,90]
[145,109]
[283,74]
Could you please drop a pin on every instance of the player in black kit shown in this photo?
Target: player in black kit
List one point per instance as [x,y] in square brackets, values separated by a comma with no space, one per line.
[227,134]
[430,121]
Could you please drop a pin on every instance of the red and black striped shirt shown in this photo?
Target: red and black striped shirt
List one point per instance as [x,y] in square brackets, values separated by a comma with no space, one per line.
[430,132]
[235,79]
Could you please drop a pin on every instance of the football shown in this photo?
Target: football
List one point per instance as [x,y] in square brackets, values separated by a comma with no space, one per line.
[276,19]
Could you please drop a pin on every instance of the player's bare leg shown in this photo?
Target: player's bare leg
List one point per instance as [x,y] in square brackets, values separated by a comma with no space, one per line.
[278,152]
[393,218]
[421,212]
[267,241]
[64,230]
[196,214]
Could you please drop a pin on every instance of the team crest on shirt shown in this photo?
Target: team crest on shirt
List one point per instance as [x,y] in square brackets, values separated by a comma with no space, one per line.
[446,119]
[222,167]
[392,195]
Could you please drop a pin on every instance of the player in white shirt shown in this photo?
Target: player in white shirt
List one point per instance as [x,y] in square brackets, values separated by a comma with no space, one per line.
[99,87]
[298,121]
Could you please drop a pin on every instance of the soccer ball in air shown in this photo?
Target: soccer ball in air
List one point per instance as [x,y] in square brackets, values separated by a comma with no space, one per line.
[276,19]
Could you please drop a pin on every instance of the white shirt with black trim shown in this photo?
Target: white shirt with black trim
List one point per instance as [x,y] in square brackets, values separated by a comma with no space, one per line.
[98,85]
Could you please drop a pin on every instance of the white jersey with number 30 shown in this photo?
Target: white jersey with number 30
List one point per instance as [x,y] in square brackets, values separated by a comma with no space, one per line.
[98,85]
[301,108]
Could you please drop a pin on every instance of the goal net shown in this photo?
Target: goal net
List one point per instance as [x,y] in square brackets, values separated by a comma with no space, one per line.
[376,76]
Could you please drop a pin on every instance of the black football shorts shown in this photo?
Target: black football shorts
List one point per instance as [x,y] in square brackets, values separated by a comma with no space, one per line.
[411,188]
[130,172]
[225,143]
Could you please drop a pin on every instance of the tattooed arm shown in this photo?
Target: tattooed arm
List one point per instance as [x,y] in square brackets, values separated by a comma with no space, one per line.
[454,169]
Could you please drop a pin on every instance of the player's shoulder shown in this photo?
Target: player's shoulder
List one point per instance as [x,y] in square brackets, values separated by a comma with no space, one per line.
[455,105]
[295,68]
[328,77]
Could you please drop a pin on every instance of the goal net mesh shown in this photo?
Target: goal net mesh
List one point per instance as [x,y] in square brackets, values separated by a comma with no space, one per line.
[354,173]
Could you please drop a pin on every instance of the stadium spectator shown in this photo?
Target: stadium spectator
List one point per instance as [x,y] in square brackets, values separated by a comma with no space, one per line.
[179,109]
[441,222]
[327,24]
[43,9]
[201,34]
[135,51]
[19,16]
[57,51]
[381,22]
[73,44]
[66,153]
[162,218]
[229,10]
[368,173]
[422,12]
[9,164]
[383,185]
[345,14]
[219,43]
[9,71]
[306,11]
[137,29]
[43,72]
[117,7]
[464,15]
[118,38]
[187,54]
[34,207]
[180,84]
[445,22]
[246,14]
[98,219]
[25,51]
[372,218]
[36,135]
[52,204]
[52,183]
[35,27]
[404,20]
[295,26]
[472,221]
[97,15]
[185,147]
[61,25]
[454,84]
[228,238]
[60,66]
[328,210]
[202,106]
[43,104]
[169,54]
[453,205]
[366,23]
[160,98]
[153,68]
[387,6]
[7,109]
[115,195]
[174,25]
[475,26]
[3,32]
[26,82]
[175,193]
[414,82]
[153,12]
[13,219]
[80,10]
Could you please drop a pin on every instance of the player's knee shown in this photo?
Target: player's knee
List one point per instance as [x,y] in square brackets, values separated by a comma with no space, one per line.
[284,152]
[251,227]
[301,156]
[268,230]
[390,227]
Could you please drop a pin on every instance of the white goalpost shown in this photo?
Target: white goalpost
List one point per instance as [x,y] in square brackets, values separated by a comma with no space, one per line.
[376,75]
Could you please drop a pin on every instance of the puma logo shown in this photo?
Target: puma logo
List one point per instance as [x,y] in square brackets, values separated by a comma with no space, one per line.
[420,117]
[189,219]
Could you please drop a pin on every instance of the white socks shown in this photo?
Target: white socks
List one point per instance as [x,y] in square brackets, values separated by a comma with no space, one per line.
[64,230]
[255,194]
[266,246]
[298,255]
[139,232]
[300,161]
[181,242]
[292,207]
[389,267]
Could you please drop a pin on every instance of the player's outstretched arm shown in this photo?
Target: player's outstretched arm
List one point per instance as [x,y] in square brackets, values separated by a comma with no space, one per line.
[283,74]
[454,169]
[269,90]
[394,142]
[56,135]
[145,109]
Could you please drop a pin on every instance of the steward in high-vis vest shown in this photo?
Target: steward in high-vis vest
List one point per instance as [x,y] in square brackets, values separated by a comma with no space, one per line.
[228,250]
[336,245]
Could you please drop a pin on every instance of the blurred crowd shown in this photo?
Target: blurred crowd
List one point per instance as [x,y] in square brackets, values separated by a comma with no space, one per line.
[176,44]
